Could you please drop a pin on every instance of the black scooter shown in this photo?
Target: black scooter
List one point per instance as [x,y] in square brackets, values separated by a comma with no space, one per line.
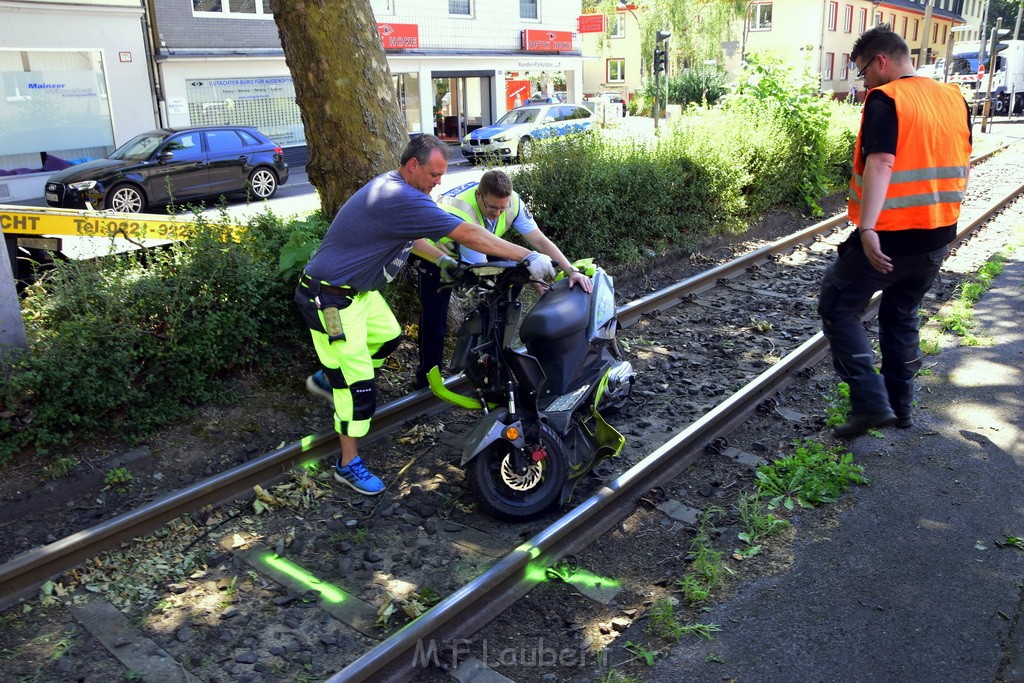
[542,426]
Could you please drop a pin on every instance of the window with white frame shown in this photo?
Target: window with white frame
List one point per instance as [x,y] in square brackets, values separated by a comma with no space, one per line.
[862,21]
[616,70]
[916,27]
[233,8]
[619,26]
[844,71]
[830,61]
[879,19]
[935,33]
[461,8]
[760,17]
[904,33]
[833,15]
[944,29]
[848,19]
[892,21]
[528,9]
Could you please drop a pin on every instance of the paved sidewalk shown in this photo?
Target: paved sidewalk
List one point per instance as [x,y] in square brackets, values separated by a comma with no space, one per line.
[909,583]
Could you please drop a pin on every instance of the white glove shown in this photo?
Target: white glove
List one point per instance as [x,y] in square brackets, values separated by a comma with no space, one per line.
[540,265]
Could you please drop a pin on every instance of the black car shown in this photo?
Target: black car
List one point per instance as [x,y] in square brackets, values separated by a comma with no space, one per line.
[172,164]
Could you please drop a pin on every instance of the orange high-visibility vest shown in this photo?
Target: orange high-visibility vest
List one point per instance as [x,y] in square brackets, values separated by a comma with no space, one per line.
[933,149]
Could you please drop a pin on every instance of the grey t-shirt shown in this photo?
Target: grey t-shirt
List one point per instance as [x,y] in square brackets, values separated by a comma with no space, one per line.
[370,239]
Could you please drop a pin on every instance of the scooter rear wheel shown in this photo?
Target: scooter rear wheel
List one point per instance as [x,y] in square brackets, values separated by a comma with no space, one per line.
[519,497]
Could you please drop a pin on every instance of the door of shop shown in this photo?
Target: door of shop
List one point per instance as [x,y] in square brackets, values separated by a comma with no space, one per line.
[463,101]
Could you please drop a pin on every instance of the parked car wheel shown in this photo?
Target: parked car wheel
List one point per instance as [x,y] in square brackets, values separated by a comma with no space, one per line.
[262,184]
[525,150]
[126,198]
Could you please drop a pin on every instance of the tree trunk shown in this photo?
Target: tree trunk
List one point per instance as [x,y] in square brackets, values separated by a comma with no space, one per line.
[349,107]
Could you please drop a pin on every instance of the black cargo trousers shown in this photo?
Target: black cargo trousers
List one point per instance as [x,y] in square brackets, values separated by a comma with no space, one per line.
[846,289]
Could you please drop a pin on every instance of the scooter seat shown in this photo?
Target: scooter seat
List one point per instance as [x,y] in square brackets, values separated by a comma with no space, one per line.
[560,313]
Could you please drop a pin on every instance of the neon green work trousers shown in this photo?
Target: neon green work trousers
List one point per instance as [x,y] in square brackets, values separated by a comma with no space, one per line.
[371,333]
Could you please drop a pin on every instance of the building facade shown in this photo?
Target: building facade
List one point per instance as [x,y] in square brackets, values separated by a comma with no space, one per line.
[103,71]
[76,82]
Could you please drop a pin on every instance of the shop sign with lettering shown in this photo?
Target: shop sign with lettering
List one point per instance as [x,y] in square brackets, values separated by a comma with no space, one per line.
[399,36]
[590,23]
[536,40]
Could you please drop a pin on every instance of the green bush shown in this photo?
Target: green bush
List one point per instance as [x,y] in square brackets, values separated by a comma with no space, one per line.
[131,345]
[611,199]
[705,84]
[771,89]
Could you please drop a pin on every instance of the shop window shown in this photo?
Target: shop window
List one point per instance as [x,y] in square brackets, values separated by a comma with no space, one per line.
[56,110]
[461,8]
[616,70]
[760,16]
[528,9]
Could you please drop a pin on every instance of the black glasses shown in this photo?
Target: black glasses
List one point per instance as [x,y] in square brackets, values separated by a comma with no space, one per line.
[860,74]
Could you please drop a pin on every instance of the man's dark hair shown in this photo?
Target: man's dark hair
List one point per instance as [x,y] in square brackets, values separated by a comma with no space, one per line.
[880,40]
[496,184]
[422,146]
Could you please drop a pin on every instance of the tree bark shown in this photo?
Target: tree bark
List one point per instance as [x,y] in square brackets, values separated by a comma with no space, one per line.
[350,111]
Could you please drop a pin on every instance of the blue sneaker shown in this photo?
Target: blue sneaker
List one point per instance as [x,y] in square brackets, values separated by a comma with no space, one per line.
[317,384]
[358,477]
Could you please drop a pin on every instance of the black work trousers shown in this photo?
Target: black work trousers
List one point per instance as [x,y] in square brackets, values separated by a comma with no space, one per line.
[849,283]
[433,319]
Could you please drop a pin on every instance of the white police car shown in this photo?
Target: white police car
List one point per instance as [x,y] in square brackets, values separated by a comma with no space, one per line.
[513,135]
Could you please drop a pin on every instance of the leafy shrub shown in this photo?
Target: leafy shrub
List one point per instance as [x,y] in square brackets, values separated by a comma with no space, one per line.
[704,84]
[769,88]
[610,199]
[133,341]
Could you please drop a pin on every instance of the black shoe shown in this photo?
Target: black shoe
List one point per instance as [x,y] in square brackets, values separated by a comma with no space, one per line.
[856,425]
[903,422]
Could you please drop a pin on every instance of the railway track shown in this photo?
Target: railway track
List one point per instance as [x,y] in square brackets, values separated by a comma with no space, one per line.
[753,292]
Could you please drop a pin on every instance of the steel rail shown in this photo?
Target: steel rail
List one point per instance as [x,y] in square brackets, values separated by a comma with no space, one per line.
[477,603]
[21,576]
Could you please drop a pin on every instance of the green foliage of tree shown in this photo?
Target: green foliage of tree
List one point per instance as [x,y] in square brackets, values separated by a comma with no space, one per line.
[698,27]
[1007,9]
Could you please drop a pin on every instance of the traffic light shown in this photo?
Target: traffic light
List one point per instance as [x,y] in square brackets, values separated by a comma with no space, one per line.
[661,51]
[995,47]
[660,58]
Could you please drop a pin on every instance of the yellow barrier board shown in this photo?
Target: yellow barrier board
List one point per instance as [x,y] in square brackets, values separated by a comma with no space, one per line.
[21,220]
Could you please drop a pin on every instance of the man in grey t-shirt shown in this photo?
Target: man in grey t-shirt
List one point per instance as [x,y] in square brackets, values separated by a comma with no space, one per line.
[368,242]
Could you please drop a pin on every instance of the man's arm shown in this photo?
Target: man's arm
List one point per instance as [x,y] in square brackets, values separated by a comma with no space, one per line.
[877,173]
[480,239]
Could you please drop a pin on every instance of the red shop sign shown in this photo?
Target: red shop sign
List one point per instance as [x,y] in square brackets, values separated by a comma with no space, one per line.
[535,40]
[399,36]
[590,23]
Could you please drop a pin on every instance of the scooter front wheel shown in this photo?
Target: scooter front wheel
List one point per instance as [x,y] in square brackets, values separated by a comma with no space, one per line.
[506,494]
